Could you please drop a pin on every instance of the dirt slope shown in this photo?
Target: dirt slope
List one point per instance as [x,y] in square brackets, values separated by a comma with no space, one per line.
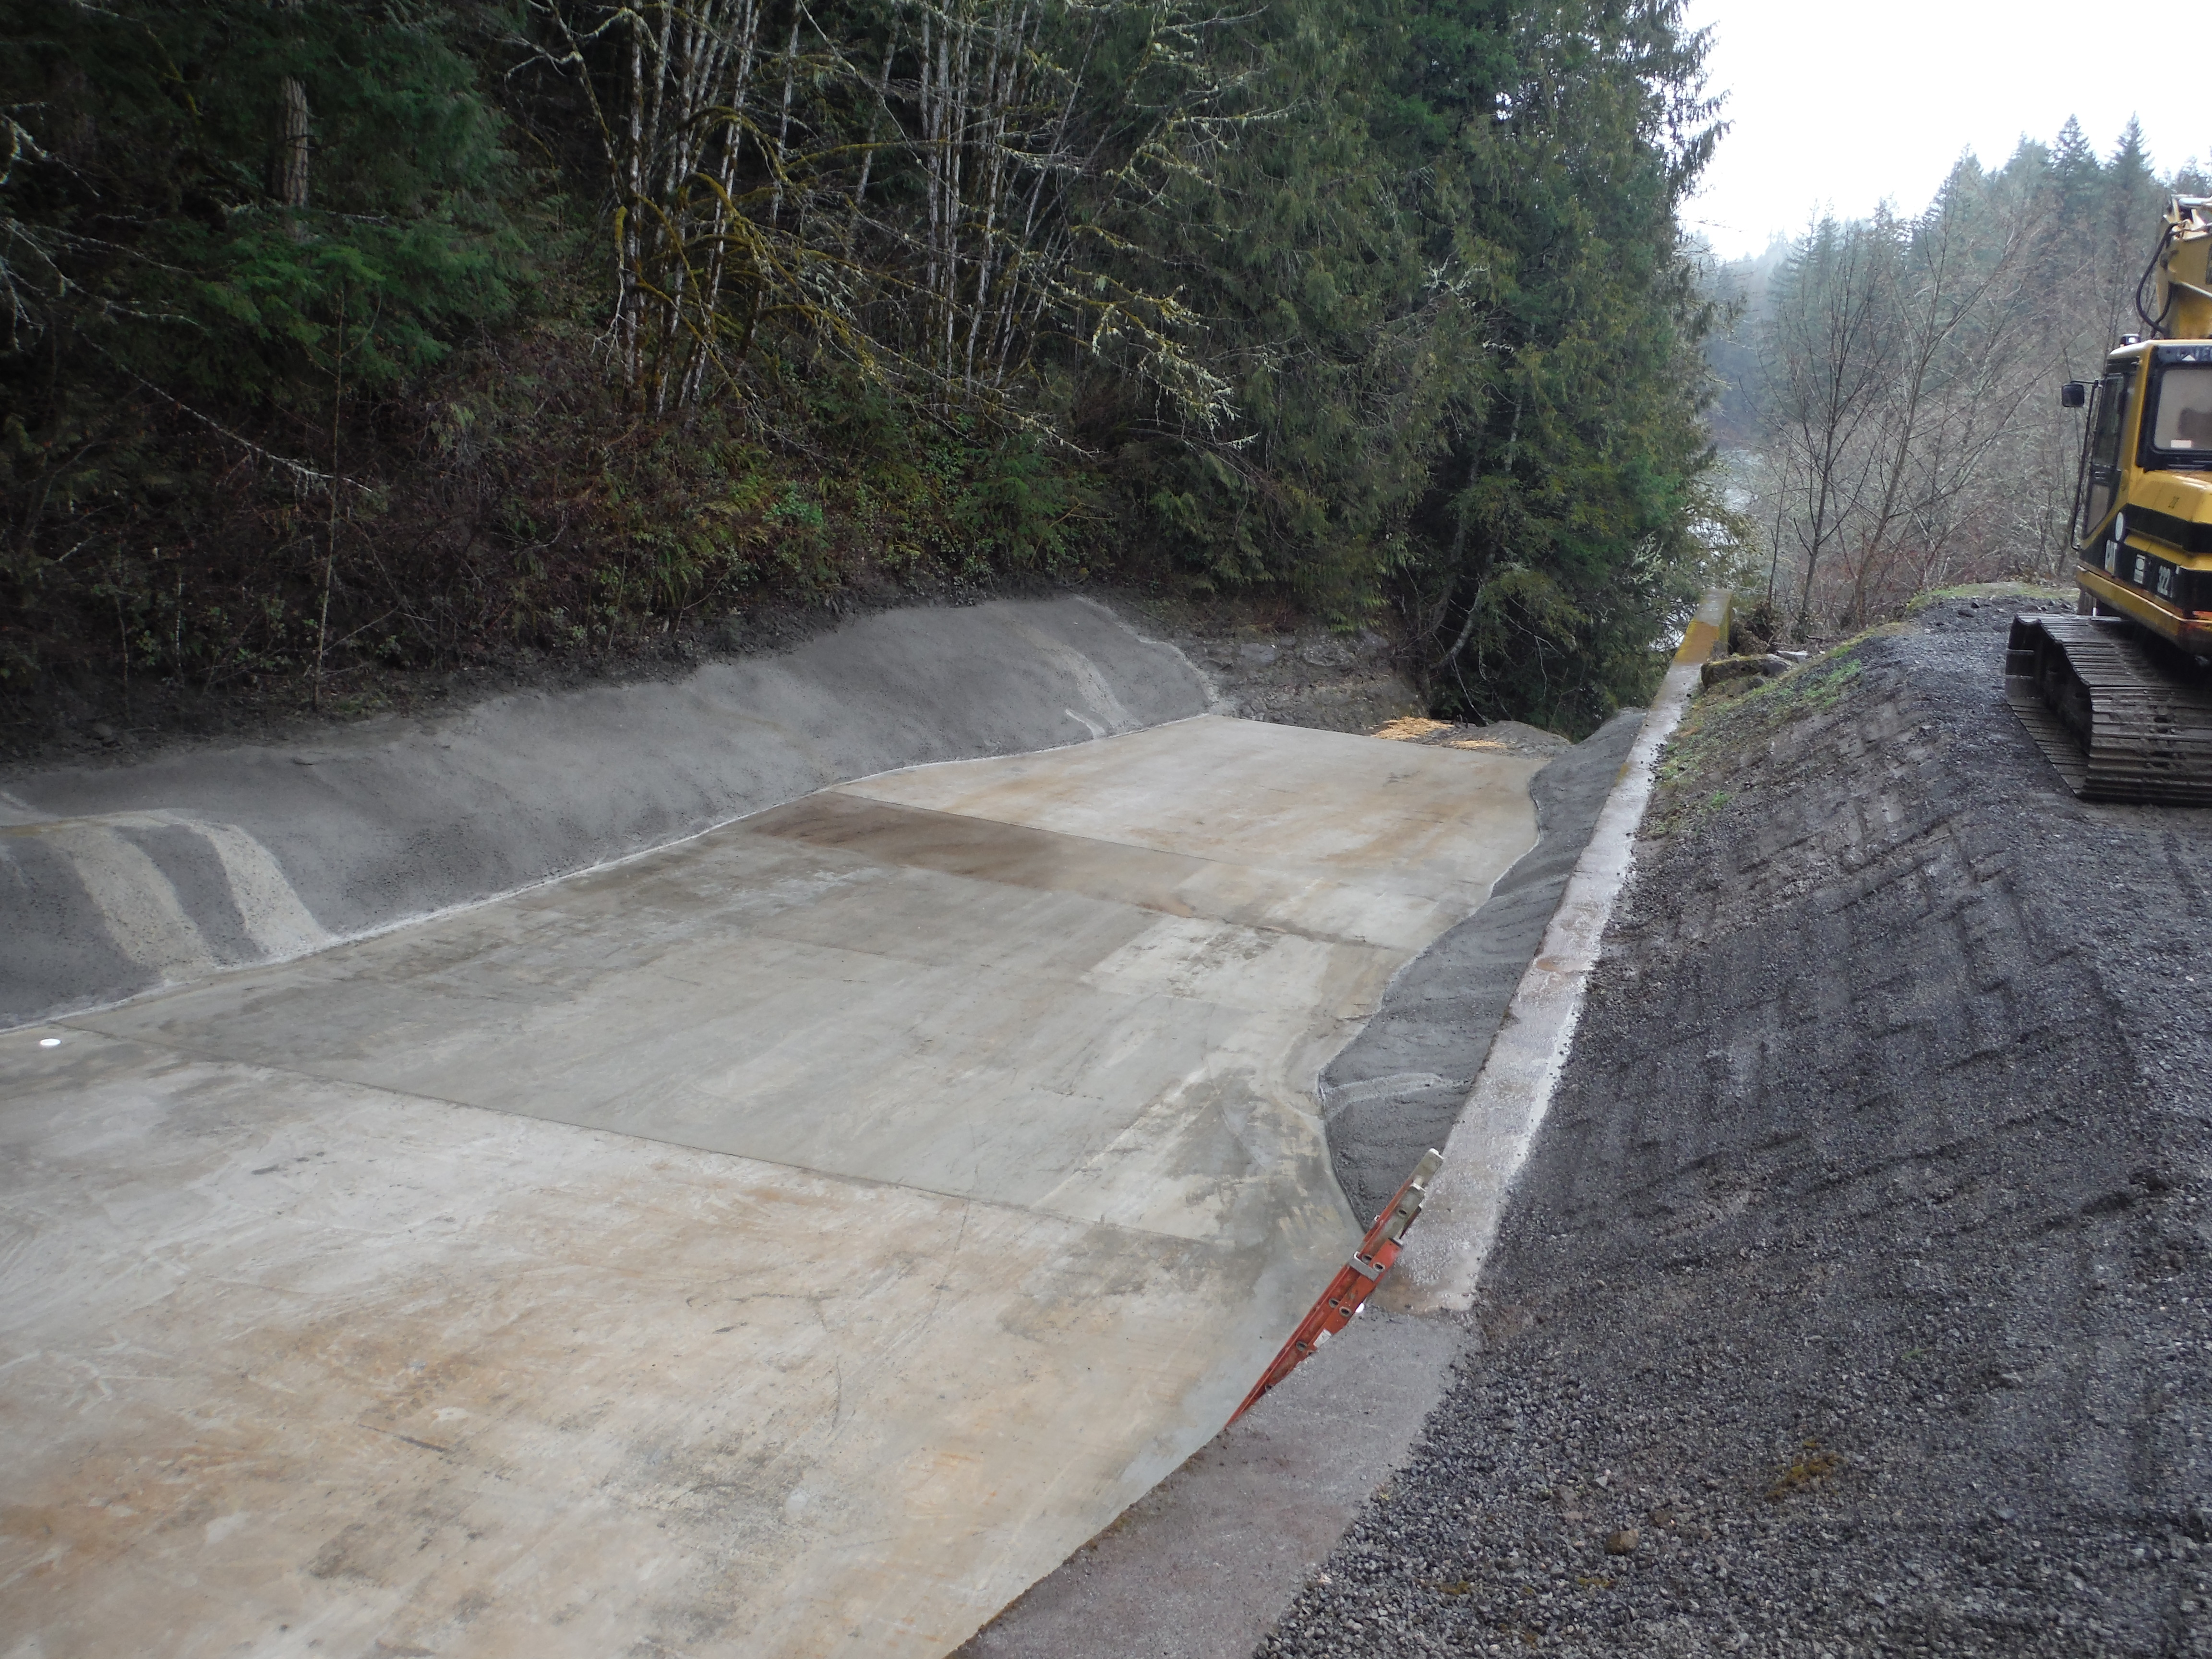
[1862,1266]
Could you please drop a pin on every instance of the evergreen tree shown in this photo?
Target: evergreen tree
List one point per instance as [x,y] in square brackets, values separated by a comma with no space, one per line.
[1463,326]
[1562,536]
[2078,178]
[2133,199]
[205,194]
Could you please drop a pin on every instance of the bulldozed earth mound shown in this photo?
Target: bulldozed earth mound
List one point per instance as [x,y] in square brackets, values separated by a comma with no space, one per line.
[1856,1297]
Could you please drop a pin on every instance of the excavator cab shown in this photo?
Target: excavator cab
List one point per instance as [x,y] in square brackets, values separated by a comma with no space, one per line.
[2143,501]
[2120,697]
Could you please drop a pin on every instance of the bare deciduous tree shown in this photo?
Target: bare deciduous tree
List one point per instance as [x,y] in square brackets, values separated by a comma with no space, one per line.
[900,184]
[1904,439]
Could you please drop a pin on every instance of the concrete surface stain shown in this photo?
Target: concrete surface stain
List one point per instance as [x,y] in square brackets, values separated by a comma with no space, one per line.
[794,1242]
[393,820]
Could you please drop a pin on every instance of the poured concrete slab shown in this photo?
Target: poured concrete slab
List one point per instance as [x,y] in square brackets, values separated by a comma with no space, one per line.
[116,880]
[1205,1563]
[794,1240]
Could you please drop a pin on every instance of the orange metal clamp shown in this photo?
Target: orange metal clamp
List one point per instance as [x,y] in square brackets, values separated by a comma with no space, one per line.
[1353,1282]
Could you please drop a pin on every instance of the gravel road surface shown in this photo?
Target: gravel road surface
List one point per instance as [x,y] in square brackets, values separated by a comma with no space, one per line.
[1857,1296]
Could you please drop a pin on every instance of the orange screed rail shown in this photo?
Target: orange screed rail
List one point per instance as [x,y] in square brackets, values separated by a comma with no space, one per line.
[1354,1281]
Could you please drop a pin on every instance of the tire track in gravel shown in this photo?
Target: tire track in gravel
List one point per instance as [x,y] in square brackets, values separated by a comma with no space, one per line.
[1863,1267]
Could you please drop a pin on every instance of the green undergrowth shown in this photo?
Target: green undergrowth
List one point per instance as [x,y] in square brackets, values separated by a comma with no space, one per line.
[525,515]
[1725,726]
[2027,592]
[1719,732]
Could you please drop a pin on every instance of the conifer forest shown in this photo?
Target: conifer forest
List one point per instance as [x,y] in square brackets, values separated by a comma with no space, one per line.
[345,338]
[348,335]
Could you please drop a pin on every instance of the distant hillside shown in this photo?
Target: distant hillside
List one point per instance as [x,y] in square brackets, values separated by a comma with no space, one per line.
[1893,381]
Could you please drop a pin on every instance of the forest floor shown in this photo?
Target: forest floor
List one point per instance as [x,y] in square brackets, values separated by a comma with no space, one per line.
[1265,661]
[1857,1296]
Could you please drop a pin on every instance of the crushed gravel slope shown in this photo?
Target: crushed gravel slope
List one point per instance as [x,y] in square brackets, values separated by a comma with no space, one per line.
[1857,1293]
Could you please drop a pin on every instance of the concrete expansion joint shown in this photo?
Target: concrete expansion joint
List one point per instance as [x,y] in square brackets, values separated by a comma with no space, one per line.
[707,1156]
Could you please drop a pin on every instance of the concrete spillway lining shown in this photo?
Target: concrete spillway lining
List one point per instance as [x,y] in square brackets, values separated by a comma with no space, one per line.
[1203,1565]
[116,880]
[1155,1232]
[1398,1087]
[1199,1565]
[791,1242]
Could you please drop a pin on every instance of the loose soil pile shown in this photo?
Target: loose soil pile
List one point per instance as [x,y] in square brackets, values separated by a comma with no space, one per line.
[1857,1296]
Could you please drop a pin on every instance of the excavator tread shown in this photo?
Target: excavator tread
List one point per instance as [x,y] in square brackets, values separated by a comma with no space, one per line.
[2115,724]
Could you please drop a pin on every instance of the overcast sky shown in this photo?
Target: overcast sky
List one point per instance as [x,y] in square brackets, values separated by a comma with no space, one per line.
[1841,106]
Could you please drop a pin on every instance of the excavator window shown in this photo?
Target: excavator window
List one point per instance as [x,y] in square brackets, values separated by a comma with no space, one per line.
[2111,416]
[2111,419]
[2181,422]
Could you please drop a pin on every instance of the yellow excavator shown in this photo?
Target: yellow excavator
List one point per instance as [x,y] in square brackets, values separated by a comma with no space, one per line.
[2120,696]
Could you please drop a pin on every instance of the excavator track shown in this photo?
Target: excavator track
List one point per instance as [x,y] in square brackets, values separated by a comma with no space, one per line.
[2116,724]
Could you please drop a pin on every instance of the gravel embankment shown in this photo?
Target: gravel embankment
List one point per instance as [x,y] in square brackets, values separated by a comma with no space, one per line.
[1857,1296]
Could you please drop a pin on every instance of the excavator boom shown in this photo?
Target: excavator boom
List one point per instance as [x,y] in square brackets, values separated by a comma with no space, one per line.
[2181,295]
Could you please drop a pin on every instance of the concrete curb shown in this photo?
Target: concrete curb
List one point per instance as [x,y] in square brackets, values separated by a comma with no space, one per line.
[1204,1564]
[1444,1255]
